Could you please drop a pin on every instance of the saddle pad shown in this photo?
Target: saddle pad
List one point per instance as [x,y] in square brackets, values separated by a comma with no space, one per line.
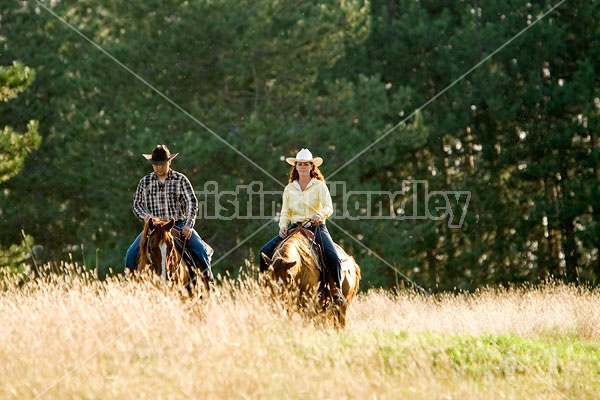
[345,259]
[209,250]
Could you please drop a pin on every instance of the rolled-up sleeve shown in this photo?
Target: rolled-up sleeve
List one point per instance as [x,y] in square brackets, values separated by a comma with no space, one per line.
[139,201]
[326,202]
[286,213]
[190,201]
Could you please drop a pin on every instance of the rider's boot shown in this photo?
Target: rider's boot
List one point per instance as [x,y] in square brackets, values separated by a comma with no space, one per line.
[210,279]
[338,297]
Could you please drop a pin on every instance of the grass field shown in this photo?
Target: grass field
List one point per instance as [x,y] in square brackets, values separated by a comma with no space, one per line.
[73,337]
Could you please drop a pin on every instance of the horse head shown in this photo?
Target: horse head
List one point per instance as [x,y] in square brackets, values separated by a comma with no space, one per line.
[157,246]
[279,269]
[294,264]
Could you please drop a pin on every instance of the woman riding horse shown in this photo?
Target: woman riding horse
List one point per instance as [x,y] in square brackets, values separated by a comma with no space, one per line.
[306,197]
[296,265]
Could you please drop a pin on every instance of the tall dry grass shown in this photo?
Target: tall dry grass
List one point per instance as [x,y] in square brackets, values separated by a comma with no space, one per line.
[70,336]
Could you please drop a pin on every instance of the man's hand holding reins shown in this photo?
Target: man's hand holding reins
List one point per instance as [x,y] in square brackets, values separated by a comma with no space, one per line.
[186,232]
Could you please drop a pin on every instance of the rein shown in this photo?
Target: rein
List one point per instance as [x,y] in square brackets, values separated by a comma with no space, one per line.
[184,241]
[148,241]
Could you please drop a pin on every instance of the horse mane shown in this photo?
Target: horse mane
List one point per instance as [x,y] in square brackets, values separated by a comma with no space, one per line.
[298,246]
[143,260]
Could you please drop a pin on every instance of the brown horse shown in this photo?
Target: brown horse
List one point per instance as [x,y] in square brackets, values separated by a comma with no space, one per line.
[158,250]
[295,264]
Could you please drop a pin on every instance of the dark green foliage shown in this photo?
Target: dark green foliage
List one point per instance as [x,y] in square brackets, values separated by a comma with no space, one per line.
[379,89]
[14,147]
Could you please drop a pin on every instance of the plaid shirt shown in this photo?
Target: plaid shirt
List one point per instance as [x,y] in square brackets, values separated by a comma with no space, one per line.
[173,198]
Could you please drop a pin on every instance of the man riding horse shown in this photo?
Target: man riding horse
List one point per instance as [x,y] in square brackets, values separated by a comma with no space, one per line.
[167,194]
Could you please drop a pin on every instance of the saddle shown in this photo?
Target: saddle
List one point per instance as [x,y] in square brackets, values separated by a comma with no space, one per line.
[310,235]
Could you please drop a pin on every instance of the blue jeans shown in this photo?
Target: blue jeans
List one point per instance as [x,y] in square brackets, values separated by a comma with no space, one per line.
[323,238]
[194,245]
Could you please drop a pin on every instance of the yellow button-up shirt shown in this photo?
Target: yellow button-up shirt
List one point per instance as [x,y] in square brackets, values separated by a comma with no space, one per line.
[299,205]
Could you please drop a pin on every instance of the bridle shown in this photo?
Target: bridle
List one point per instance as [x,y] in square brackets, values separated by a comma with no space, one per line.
[149,254]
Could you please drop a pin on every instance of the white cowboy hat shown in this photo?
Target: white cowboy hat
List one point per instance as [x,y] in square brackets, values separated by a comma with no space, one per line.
[304,155]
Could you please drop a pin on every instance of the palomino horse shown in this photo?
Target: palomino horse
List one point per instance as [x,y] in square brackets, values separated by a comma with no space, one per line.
[158,250]
[295,263]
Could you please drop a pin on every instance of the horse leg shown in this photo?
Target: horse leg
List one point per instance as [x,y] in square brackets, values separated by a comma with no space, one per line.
[341,315]
[197,283]
[349,285]
[184,277]
[203,284]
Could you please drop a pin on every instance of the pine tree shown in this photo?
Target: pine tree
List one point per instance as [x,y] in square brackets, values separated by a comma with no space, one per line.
[14,148]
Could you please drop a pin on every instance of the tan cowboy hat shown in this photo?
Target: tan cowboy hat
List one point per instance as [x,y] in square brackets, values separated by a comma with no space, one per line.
[160,155]
[304,155]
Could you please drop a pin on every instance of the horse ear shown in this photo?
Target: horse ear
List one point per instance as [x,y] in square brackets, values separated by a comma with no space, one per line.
[170,224]
[266,258]
[151,223]
[289,265]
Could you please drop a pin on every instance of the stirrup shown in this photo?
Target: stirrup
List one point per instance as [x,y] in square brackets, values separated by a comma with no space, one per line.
[338,297]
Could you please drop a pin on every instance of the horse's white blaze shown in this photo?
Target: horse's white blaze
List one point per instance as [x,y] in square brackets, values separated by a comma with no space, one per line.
[163,261]
[279,282]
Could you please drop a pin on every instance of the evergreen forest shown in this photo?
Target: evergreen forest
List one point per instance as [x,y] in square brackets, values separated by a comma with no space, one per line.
[459,137]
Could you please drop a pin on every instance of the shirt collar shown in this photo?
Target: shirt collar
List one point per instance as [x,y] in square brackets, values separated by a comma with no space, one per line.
[153,175]
[297,184]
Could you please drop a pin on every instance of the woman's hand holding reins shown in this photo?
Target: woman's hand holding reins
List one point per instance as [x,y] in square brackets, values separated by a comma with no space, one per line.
[315,219]
[283,232]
